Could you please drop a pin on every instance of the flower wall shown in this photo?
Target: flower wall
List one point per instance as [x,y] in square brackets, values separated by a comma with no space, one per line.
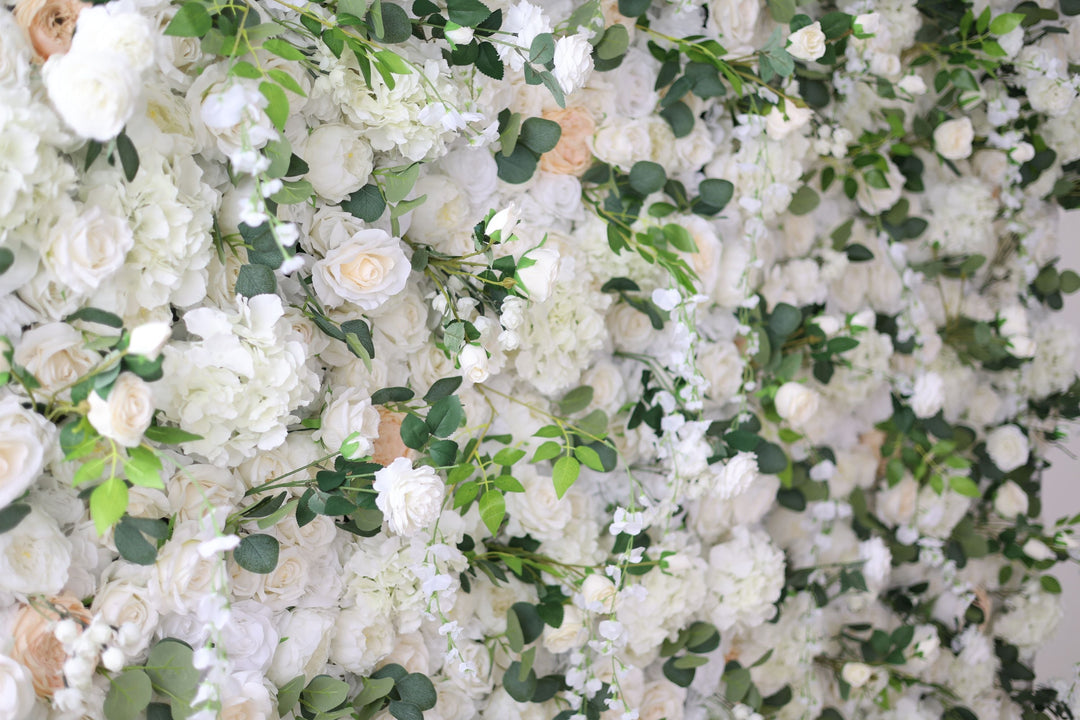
[629,359]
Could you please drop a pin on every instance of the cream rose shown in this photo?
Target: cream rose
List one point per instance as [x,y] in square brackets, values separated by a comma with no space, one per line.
[571,156]
[952,138]
[53,353]
[94,92]
[474,363]
[807,43]
[663,700]
[569,635]
[856,674]
[109,28]
[339,161]
[349,413]
[49,23]
[127,413]
[410,498]
[36,647]
[1007,447]
[87,248]
[366,270]
[796,403]
[599,593]
[21,456]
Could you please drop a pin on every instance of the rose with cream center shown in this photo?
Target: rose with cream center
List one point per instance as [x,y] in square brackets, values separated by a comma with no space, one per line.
[410,498]
[571,156]
[366,270]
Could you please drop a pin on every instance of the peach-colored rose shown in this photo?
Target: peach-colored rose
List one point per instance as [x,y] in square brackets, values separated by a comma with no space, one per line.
[388,445]
[35,645]
[49,24]
[572,155]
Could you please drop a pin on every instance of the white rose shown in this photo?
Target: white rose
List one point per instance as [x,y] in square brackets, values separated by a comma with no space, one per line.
[781,123]
[1051,96]
[34,557]
[1011,500]
[474,363]
[109,29]
[738,475]
[181,577]
[350,411]
[94,92]
[53,353]
[1023,152]
[619,141]
[249,636]
[361,638]
[88,247]
[21,457]
[929,395]
[663,700]
[410,498]
[339,161]
[366,270]
[796,403]
[16,690]
[1007,447]
[305,645]
[125,604]
[896,505]
[952,138]
[736,22]
[573,62]
[1012,41]
[539,277]
[126,414]
[599,593]
[568,636]
[807,43]
[868,23]
[459,35]
[856,674]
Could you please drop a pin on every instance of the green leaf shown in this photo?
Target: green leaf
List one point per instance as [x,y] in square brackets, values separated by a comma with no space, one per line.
[414,432]
[715,194]
[374,689]
[129,694]
[88,471]
[547,451]
[131,544]
[324,693]
[12,515]
[1050,584]
[679,116]
[613,44]
[191,20]
[647,177]
[7,259]
[277,108]
[564,474]
[529,620]
[143,468]
[391,394]
[576,400]
[417,689]
[392,62]
[589,458]
[367,203]
[680,676]
[634,8]
[293,192]
[255,280]
[517,687]
[680,237]
[1069,282]
[771,458]
[540,135]
[518,167]
[170,669]
[1004,24]
[467,13]
[542,49]
[737,684]
[804,201]
[964,486]
[508,456]
[289,694]
[399,183]
[782,11]
[129,156]
[394,25]
[442,388]
[96,315]
[170,435]
[108,502]
[785,319]
[257,553]
[492,509]
[285,49]
[445,416]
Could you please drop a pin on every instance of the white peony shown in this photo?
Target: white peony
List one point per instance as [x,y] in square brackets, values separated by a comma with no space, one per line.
[1007,447]
[34,557]
[126,414]
[94,92]
[367,270]
[409,498]
[807,43]
[573,62]
[952,138]
[114,28]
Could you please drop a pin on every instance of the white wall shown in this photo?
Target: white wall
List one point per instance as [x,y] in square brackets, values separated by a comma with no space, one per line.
[1061,493]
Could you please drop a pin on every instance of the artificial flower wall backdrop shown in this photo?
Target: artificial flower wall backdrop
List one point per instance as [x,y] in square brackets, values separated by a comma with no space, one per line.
[582,359]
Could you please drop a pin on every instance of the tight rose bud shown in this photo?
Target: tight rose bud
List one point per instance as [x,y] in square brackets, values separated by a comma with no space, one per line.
[952,138]
[807,43]
[796,403]
[126,414]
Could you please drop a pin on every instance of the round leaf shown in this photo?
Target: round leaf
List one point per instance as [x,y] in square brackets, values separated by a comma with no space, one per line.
[257,553]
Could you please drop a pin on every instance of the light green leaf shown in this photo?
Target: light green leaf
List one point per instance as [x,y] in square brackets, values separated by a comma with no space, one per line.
[108,502]
[565,474]
[492,509]
[129,694]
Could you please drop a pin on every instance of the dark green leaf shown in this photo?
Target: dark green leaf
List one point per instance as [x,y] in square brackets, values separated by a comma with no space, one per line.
[391,394]
[257,553]
[396,26]
[785,319]
[518,167]
[539,135]
[442,388]
[417,689]
[679,116]
[94,315]
[12,515]
[255,280]
[129,156]
[647,177]
[131,544]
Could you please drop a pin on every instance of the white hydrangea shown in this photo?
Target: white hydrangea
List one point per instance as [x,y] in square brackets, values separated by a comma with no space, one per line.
[745,577]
